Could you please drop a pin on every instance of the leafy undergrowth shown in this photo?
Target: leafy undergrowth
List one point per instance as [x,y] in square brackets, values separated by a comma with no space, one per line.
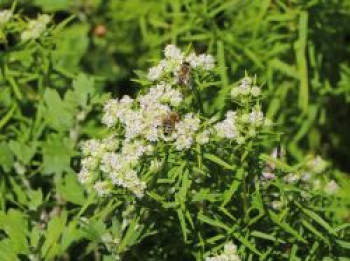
[197,164]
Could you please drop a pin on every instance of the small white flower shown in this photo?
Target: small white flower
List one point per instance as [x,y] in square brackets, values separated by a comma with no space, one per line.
[245,118]
[154,73]
[36,28]
[193,60]
[247,81]
[240,140]
[102,188]
[331,187]
[306,176]
[256,117]
[206,61]
[111,143]
[84,176]
[230,248]
[90,147]
[89,163]
[235,92]
[255,91]
[267,122]
[229,254]
[317,165]
[244,89]
[176,99]
[185,131]
[44,19]
[268,175]
[155,165]
[277,204]
[19,168]
[291,178]
[203,137]
[172,52]
[5,16]
[227,128]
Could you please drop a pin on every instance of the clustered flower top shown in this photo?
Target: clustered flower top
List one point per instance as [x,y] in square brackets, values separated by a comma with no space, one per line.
[36,28]
[174,61]
[229,254]
[158,117]
[33,29]
[5,16]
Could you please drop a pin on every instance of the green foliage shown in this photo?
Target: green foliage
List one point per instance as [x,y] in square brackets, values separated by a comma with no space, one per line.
[52,89]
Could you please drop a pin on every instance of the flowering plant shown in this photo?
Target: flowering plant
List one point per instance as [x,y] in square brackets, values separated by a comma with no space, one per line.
[174,164]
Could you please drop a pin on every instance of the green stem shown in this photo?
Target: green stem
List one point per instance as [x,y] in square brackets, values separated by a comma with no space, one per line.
[198,98]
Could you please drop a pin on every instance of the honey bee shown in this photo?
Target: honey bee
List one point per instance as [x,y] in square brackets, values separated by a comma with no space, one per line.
[169,121]
[184,74]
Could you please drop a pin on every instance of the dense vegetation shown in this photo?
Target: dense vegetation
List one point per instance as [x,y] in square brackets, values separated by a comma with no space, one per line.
[274,188]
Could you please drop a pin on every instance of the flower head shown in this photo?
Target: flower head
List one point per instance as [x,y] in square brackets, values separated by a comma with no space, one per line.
[5,16]
[36,28]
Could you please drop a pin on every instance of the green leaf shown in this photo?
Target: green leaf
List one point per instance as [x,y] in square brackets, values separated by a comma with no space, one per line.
[213,222]
[278,163]
[204,195]
[22,151]
[300,48]
[7,251]
[19,192]
[284,68]
[72,44]
[286,227]
[57,152]
[317,218]
[185,185]
[265,236]
[132,233]
[219,161]
[15,225]
[6,157]
[246,242]
[83,88]
[71,190]
[182,220]
[36,199]
[314,230]
[228,194]
[343,244]
[59,114]
[54,231]
[52,6]
[5,119]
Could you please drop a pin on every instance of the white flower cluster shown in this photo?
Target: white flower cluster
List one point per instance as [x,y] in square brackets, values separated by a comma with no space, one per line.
[5,16]
[227,128]
[36,28]
[141,123]
[144,118]
[185,131]
[236,127]
[157,117]
[116,168]
[173,61]
[331,187]
[246,88]
[307,177]
[229,254]
[256,117]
